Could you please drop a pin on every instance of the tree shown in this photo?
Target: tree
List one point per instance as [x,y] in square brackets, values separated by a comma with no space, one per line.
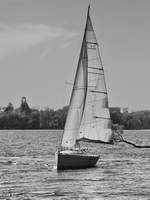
[9,107]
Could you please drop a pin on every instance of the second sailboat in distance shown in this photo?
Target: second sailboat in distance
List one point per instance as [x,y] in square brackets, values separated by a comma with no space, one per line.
[88,117]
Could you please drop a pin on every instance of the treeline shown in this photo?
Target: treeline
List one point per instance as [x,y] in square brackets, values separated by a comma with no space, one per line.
[131,121]
[26,118]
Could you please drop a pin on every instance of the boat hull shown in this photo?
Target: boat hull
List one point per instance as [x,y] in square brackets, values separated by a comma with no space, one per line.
[75,160]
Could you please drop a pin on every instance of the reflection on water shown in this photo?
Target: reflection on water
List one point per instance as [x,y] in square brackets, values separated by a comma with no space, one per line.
[27,169]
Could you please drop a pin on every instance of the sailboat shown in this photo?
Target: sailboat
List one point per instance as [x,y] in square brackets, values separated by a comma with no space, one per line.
[88,117]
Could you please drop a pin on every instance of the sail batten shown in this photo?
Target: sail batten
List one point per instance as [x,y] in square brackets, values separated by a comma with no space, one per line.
[96,68]
[88,116]
[96,91]
[95,73]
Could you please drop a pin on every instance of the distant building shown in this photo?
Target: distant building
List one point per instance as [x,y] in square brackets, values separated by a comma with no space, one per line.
[24,107]
[124,110]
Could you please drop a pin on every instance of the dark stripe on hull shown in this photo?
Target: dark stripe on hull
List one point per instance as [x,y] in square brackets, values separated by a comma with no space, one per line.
[76,161]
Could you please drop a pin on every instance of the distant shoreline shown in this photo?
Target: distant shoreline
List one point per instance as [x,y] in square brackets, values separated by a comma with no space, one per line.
[26,118]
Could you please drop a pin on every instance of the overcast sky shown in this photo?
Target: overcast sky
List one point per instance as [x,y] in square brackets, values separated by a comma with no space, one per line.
[40,42]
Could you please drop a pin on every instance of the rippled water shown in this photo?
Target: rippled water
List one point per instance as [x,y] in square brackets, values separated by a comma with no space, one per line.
[27,172]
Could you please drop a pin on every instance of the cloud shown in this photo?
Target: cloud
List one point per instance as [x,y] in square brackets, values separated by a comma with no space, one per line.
[17,37]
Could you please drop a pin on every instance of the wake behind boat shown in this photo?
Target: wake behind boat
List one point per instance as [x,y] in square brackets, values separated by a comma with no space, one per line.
[88,117]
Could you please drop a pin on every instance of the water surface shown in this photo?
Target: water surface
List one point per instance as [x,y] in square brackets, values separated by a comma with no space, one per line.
[27,169]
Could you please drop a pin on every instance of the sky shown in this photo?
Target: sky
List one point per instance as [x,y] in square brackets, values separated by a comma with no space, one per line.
[40,41]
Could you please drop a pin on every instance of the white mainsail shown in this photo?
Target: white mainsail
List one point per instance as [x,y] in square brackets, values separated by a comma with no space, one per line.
[88,116]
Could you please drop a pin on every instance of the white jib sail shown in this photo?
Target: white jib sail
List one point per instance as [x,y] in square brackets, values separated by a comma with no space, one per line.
[88,115]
